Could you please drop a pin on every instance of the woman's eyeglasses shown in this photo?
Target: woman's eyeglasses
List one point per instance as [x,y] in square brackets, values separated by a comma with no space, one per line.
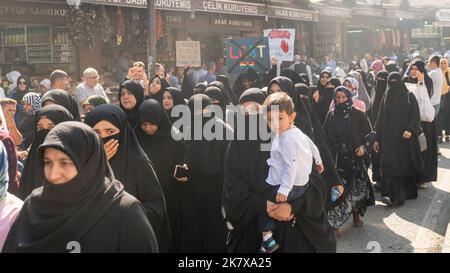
[21,82]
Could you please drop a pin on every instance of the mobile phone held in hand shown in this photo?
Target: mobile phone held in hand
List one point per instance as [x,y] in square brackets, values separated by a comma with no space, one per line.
[180,171]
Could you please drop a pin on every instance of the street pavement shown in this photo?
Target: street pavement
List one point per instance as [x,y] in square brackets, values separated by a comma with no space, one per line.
[417,226]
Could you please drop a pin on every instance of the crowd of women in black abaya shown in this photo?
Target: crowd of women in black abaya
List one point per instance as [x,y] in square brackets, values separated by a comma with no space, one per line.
[109,183]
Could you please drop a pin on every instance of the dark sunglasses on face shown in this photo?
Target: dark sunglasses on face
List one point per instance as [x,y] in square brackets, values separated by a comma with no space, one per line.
[21,82]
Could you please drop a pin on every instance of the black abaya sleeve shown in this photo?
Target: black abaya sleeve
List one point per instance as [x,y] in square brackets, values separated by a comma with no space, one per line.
[187,87]
[271,74]
[136,233]
[378,126]
[149,192]
[241,203]
[414,125]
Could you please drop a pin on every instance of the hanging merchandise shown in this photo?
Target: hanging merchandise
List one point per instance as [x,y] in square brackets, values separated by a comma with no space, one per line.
[74,24]
[89,27]
[103,24]
[142,28]
[159,26]
[130,28]
[120,26]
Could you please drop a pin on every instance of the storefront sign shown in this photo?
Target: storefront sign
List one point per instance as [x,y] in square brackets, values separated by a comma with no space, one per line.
[281,43]
[174,19]
[188,53]
[294,14]
[232,23]
[13,12]
[183,5]
[220,6]
[443,15]
[369,12]
[247,53]
[232,7]
[426,32]
[336,12]
[404,14]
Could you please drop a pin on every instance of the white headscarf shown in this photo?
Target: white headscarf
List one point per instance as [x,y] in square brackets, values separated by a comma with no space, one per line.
[46,83]
[362,93]
[12,78]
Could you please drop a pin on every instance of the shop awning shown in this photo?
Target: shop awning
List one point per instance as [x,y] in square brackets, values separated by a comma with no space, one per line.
[218,6]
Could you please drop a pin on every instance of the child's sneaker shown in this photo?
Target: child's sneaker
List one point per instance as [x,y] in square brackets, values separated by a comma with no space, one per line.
[269,246]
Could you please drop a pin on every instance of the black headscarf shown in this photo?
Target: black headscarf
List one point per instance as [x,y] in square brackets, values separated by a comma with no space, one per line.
[215,93]
[199,88]
[153,112]
[159,95]
[202,99]
[226,83]
[303,90]
[285,84]
[380,89]
[322,106]
[335,82]
[165,153]
[132,167]
[177,97]
[253,95]
[399,112]
[291,74]
[226,96]
[138,92]
[57,214]
[330,176]
[63,98]
[18,95]
[248,74]
[305,79]
[392,67]
[396,99]
[319,85]
[342,115]
[428,81]
[32,171]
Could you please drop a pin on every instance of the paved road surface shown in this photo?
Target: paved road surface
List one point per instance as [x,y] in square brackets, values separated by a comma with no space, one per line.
[417,226]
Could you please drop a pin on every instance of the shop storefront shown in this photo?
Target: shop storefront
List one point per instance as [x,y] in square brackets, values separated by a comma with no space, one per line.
[301,20]
[330,31]
[35,35]
[372,31]
[443,22]
[209,22]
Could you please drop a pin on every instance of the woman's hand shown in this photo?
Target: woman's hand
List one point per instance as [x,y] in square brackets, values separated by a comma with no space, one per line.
[282,213]
[22,154]
[360,151]
[420,77]
[274,60]
[376,147]
[407,135]
[316,96]
[182,179]
[111,148]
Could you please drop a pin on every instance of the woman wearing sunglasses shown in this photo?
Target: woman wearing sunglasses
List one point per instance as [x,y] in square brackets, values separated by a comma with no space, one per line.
[23,87]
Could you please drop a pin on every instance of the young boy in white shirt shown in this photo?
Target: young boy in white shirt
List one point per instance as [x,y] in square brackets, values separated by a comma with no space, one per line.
[290,162]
